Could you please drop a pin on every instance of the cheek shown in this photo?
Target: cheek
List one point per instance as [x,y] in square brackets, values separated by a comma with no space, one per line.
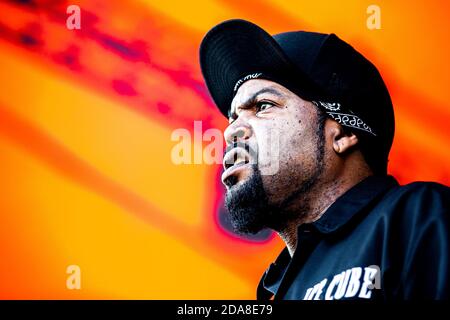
[294,137]
[280,142]
[297,145]
[272,132]
[267,143]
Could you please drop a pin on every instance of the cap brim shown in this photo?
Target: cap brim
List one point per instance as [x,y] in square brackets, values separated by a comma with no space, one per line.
[236,48]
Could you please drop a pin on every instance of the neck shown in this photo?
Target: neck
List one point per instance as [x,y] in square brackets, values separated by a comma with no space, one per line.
[313,205]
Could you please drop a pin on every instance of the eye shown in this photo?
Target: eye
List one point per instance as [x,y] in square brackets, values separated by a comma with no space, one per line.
[263,105]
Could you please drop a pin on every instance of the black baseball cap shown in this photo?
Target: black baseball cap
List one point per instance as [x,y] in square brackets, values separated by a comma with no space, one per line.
[317,67]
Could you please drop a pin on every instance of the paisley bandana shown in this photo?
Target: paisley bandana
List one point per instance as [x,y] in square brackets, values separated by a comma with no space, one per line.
[347,119]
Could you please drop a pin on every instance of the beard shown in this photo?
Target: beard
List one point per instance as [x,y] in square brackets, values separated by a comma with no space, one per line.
[248,204]
[251,211]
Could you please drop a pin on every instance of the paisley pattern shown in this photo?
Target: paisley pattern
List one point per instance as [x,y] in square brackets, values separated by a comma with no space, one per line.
[345,119]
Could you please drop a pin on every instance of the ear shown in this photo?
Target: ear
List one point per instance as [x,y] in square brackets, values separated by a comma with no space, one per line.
[342,141]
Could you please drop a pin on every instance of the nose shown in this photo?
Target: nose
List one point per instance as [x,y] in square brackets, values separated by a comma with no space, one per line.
[237,132]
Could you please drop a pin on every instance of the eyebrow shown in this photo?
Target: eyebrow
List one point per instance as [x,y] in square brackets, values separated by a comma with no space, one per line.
[253,98]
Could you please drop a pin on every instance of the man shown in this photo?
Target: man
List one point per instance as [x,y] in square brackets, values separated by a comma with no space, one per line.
[351,232]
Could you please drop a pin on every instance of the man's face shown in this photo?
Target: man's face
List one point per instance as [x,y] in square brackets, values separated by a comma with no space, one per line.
[281,135]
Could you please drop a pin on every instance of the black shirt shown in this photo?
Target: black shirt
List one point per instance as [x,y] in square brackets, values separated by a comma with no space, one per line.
[377,241]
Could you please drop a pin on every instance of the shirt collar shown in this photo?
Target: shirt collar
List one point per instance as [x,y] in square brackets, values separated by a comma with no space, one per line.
[337,215]
[353,201]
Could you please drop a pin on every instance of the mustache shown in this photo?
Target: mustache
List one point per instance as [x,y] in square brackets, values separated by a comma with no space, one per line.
[238,144]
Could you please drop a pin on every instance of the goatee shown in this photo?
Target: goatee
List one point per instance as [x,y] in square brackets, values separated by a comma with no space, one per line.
[249,208]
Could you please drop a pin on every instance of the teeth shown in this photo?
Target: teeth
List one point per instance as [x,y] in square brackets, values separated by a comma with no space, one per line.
[239,159]
[235,159]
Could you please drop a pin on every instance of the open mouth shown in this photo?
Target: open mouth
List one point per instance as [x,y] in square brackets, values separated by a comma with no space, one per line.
[235,157]
[234,160]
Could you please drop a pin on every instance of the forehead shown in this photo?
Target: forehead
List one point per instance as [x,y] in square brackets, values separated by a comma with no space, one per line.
[249,88]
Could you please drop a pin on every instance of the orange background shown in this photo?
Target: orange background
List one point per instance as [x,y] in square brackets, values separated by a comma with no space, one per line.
[85,123]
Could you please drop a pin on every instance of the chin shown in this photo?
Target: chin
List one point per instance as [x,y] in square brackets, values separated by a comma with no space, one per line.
[247,203]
